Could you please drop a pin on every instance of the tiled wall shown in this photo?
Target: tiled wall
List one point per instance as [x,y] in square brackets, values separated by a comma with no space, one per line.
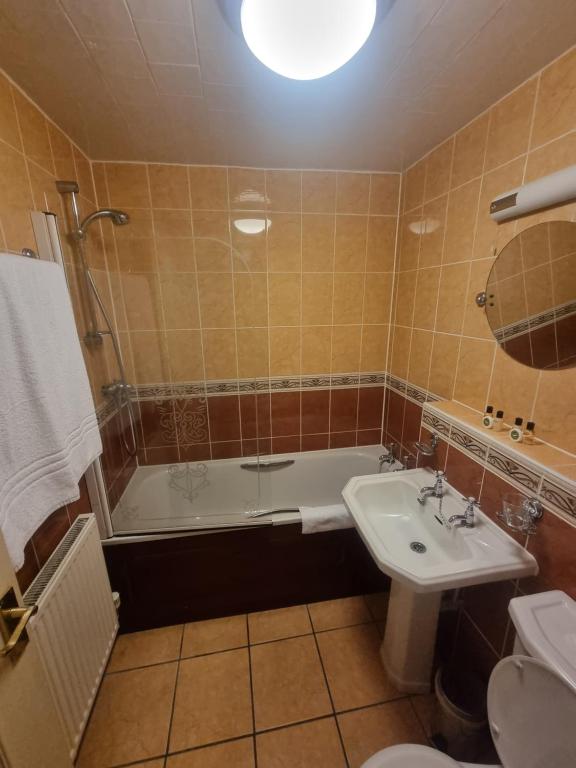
[198,300]
[441,340]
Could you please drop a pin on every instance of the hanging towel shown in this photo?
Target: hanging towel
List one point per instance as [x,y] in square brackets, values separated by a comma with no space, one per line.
[329,518]
[48,429]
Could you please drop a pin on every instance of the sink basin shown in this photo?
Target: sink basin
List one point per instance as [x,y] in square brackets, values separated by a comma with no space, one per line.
[414,545]
[390,519]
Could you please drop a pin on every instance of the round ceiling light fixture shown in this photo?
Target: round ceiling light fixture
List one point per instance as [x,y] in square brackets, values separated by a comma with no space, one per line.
[306,39]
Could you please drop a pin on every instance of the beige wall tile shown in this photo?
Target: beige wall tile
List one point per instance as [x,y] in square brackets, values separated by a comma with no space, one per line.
[556,101]
[212,241]
[17,193]
[381,245]
[433,232]
[555,412]
[172,223]
[350,243]
[400,353]
[509,129]
[374,348]
[469,149]
[283,190]
[128,185]
[384,193]
[352,192]
[180,300]
[404,300]
[553,157]
[420,356]
[452,298]
[143,302]
[174,254]
[474,371]
[348,298]
[461,222]
[438,166]
[346,348]
[318,232]
[316,349]
[475,322]
[284,243]
[317,294]
[63,156]
[427,283]
[377,298]
[443,362]
[216,296]
[285,346]
[490,236]
[34,129]
[208,188]
[253,359]
[251,300]
[246,189]
[512,387]
[409,240]
[318,191]
[150,357]
[9,130]
[169,186]
[220,354]
[249,250]
[414,181]
[185,354]
[284,292]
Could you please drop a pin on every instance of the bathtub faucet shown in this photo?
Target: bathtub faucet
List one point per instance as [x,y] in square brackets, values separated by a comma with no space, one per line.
[388,458]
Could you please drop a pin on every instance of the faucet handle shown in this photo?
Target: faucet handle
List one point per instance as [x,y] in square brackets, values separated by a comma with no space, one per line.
[472,501]
[439,474]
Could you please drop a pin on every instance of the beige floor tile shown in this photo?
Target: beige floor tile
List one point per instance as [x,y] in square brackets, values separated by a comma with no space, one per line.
[288,683]
[332,614]
[378,605]
[212,700]
[426,708]
[352,662]
[310,745]
[139,649]
[278,624]
[368,730]
[131,718]
[149,764]
[234,754]
[214,635]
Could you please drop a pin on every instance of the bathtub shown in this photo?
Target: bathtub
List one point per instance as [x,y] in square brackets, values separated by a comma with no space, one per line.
[223,494]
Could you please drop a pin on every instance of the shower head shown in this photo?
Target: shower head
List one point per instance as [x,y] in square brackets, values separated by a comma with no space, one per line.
[118,217]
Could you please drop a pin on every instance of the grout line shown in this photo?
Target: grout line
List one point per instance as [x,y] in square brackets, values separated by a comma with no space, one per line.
[251,693]
[174,693]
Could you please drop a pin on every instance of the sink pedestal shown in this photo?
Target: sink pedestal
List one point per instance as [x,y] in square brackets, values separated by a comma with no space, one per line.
[407,650]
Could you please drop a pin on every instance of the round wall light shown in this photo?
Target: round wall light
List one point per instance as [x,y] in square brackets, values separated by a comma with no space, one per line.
[252,226]
[306,39]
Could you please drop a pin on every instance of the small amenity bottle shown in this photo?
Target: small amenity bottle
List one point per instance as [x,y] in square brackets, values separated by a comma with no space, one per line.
[488,418]
[529,437]
[498,423]
[517,433]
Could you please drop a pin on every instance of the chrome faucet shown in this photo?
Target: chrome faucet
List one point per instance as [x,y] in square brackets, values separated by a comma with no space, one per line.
[467,519]
[388,458]
[436,490]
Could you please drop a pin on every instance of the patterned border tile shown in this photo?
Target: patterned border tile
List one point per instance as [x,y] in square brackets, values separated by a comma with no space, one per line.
[513,471]
[435,423]
[469,443]
[559,497]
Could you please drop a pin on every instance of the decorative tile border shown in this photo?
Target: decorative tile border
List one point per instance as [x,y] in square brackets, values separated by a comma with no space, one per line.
[435,423]
[535,321]
[470,444]
[514,472]
[416,394]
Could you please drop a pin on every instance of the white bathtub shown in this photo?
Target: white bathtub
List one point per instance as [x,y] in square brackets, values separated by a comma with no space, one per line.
[221,494]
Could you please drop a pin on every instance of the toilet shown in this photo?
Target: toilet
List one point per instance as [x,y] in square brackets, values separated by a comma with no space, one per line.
[531,694]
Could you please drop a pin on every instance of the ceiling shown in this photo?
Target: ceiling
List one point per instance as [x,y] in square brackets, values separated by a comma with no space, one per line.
[171,81]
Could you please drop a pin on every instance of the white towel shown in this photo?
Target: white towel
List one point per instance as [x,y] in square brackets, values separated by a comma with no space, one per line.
[48,429]
[328,518]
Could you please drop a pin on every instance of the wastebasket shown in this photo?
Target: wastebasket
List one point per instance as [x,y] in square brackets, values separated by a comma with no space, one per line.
[460,724]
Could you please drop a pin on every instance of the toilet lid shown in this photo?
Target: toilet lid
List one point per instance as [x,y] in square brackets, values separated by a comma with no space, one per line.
[532,715]
[410,756]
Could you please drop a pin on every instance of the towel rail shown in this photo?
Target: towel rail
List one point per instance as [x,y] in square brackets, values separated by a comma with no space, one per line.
[28,252]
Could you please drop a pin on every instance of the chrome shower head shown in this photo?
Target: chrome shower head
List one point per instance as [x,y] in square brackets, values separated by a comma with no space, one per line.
[118,217]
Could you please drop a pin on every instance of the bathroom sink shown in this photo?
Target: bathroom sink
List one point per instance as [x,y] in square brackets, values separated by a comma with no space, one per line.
[412,544]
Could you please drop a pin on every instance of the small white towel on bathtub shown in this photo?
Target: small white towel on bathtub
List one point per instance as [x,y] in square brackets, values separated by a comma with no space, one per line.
[329,518]
[48,429]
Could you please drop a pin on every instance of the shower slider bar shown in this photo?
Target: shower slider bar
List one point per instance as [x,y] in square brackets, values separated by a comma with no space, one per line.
[254,466]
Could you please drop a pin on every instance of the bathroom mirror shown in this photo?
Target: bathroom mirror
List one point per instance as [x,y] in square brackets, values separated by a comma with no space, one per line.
[531,296]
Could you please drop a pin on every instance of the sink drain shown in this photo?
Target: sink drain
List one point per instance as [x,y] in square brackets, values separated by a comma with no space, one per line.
[417,546]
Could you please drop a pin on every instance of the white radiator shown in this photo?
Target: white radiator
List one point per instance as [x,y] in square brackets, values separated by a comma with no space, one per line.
[76,624]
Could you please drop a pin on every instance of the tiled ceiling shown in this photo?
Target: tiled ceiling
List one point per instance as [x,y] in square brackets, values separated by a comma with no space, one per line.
[171,81]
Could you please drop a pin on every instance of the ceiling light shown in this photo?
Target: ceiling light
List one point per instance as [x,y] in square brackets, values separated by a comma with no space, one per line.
[306,39]
[424,226]
[252,226]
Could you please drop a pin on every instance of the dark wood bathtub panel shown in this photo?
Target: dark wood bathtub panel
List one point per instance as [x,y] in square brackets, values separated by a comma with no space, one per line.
[200,577]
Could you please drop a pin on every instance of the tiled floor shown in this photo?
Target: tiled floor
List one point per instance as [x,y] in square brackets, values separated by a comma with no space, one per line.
[299,687]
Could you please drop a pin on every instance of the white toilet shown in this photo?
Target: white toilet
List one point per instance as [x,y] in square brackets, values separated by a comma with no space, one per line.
[531,694]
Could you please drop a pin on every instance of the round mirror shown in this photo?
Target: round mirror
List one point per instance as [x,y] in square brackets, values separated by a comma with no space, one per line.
[531,296]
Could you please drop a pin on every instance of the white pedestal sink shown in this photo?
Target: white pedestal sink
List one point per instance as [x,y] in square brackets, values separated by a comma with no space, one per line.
[413,544]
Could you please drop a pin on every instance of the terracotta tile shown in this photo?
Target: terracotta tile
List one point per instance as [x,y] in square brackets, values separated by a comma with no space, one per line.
[168,454]
[158,423]
[227,450]
[314,442]
[475,656]
[212,700]
[285,413]
[369,730]
[239,754]
[412,421]
[464,473]
[553,548]
[255,415]
[202,637]
[288,683]
[29,570]
[286,444]
[370,405]
[352,663]
[199,452]
[368,437]
[140,649]
[343,410]
[395,415]
[377,603]
[131,717]
[224,417]
[278,624]
[50,534]
[301,746]
[487,606]
[342,439]
[332,614]
[315,416]
[191,416]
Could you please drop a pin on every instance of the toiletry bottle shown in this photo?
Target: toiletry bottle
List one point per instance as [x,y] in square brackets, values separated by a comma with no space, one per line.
[529,438]
[498,421]
[517,433]
[488,418]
